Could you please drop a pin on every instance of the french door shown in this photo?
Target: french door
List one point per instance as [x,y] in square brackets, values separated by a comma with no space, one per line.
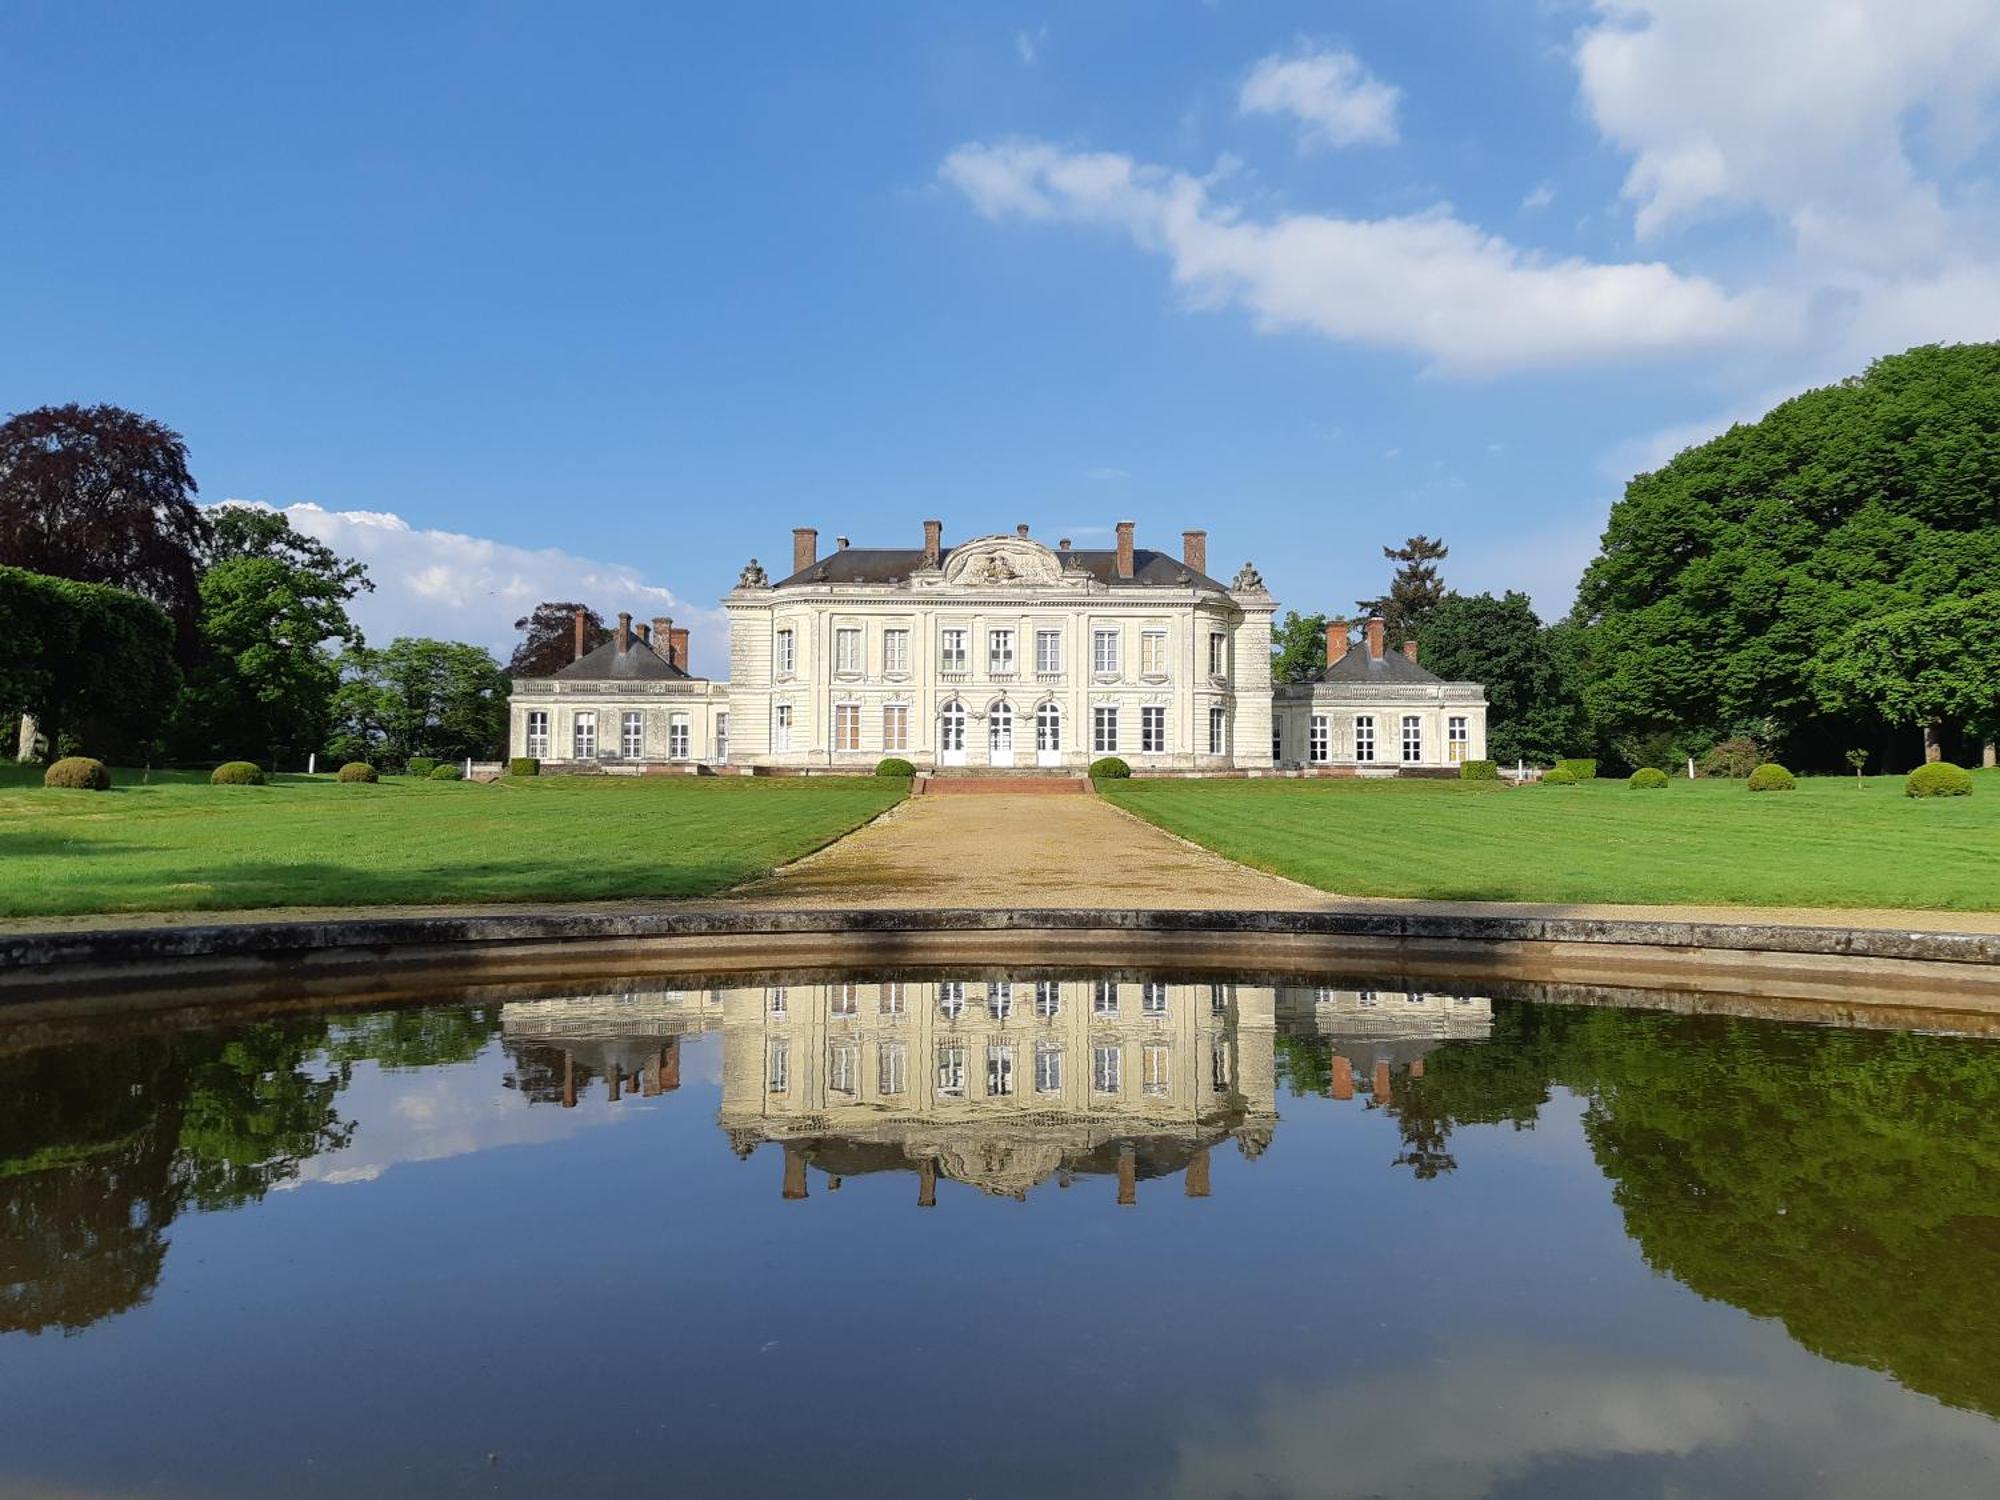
[1000,735]
[951,735]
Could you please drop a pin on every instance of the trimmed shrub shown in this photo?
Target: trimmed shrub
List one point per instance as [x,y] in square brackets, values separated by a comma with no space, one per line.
[236,773]
[447,772]
[1648,779]
[1109,768]
[1479,770]
[1737,756]
[1939,778]
[1772,777]
[79,773]
[524,765]
[894,765]
[420,765]
[359,770]
[1560,776]
[1582,770]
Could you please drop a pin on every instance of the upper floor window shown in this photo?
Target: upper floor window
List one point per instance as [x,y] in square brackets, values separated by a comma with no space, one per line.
[847,650]
[1106,1069]
[999,1070]
[951,999]
[890,1062]
[1048,650]
[842,1001]
[951,651]
[1048,1068]
[1157,1062]
[1153,729]
[1000,1000]
[787,661]
[1153,653]
[890,1001]
[1104,652]
[896,652]
[841,1068]
[1364,737]
[1000,652]
[779,1072]
[1413,737]
[1218,654]
[951,1071]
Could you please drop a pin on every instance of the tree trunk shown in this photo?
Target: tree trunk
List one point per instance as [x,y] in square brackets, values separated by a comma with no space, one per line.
[30,732]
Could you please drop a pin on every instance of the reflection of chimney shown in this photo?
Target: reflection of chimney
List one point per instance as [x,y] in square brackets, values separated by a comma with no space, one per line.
[624,631]
[805,547]
[611,1078]
[579,632]
[1381,1091]
[1125,549]
[1343,1077]
[1194,550]
[670,1066]
[1417,1068]
[927,1182]
[1336,641]
[1128,1176]
[677,647]
[569,1081]
[795,1172]
[1197,1175]
[933,542]
[1375,629]
[1410,650]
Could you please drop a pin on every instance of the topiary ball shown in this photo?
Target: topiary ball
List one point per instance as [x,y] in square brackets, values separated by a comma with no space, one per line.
[1479,770]
[78,773]
[894,765]
[1109,768]
[1560,776]
[1648,779]
[447,773]
[1772,777]
[524,765]
[1938,778]
[359,770]
[236,773]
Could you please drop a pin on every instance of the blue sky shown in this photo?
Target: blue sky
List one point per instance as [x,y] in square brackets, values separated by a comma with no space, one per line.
[532,301]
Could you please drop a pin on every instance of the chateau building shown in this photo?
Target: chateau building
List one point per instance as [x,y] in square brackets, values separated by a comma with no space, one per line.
[1001,653]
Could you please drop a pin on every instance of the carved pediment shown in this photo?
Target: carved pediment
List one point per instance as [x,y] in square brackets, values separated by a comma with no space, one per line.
[1008,562]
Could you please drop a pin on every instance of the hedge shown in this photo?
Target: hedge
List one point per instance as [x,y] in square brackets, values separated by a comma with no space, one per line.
[1479,770]
[78,773]
[447,772]
[1560,776]
[420,765]
[1582,770]
[236,773]
[1939,778]
[1109,768]
[95,665]
[1772,777]
[1648,779]
[894,765]
[358,770]
[524,765]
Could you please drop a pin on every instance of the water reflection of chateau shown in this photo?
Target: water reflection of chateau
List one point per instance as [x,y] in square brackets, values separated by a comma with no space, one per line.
[997,1083]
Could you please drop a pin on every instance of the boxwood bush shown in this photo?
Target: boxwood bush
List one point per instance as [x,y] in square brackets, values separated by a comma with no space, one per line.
[78,773]
[1109,768]
[1772,777]
[1582,770]
[1560,776]
[447,772]
[524,765]
[1479,770]
[358,770]
[420,765]
[1648,779]
[1939,778]
[894,765]
[236,773]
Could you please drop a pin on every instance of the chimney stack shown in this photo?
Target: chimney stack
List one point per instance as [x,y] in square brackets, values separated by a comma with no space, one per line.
[1125,549]
[677,647]
[933,542]
[663,637]
[805,547]
[580,637]
[1336,641]
[1194,550]
[1021,531]
[1375,629]
[624,631]
[1410,650]
[645,633]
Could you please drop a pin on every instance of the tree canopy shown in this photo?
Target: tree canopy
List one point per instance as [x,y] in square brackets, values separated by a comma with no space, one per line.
[93,665]
[419,697]
[1502,644]
[548,639]
[1298,646]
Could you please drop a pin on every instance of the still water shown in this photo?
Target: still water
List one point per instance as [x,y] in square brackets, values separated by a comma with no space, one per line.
[998,1235]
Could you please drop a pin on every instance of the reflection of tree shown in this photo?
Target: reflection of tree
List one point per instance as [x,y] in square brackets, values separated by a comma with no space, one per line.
[425,1038]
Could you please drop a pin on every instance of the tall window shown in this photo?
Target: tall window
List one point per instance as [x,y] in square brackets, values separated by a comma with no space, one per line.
[787,654]
[951,651]
[1155,1066]
[1277,740]
[847,726]
[1218,1066]
[842,1001]
[677,736]
[1218,999]
[538,734]
[778,1074]
[842,1064]
[951,727]
[1000,1000]
[632,735]
[1413,737]
[722,736]
[1048,651]
[1104,731]
[1000,729]
[1153,653]
[951,1071]
[1153,729]
[847,650]
[896,652]
[1048,999]
[781,727]
[776,999]
[890,1001]
[1456,734]
[1218,654]
[1104,652]
[951,999]
[1319,749]
[1364,737]
[1000,653]
[1104,997]
[1048,727]
[584,737]
[1107,1070]
[891,1058]
[1217,720]
[1048,1068]
[1153,999]
[999,1070]
[896,726]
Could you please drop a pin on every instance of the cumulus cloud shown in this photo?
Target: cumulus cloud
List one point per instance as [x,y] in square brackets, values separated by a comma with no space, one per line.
[1542,195]
[1028,44]
[1429,283]
[1329,91]
[467,588]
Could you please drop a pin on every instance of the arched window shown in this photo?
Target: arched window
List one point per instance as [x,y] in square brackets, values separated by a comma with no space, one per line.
[1000,727]
[951,726]
[1048,727]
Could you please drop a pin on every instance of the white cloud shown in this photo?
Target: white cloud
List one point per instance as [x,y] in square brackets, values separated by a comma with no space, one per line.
[1028,44]
[1329,91]
[467,588]
[1543,195]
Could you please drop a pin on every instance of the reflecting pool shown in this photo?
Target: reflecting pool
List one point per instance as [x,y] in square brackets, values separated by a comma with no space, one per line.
[1029,1233]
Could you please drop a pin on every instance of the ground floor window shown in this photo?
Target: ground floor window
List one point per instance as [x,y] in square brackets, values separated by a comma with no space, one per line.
[632,736]
[781,727]
[1104,731]
[1413,737]
[584,737]
[1103,998]
[1000,729]
[951,728]
[951,1071]
[896,727]
[1048,999]
[677,737]
[1364,738]
[1319,748]
[1107,1069]
[890,1061]
[999,1071]
[1277,741]
[1216,721]
[1152,730]
[1457,738]
[1048,1068]
[1155,1063]
[538,735]
[722,736]
[847,726]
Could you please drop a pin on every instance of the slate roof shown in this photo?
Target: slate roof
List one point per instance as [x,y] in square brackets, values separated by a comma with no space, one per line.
[894,564]
[1359,666]
[607,664]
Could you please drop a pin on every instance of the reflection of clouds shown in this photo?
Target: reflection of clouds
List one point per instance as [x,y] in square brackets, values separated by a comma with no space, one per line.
[1465,1425]
[442,1112]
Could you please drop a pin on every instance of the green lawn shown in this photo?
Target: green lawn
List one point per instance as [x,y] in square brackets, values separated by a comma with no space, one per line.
[179,844]
[1826,844]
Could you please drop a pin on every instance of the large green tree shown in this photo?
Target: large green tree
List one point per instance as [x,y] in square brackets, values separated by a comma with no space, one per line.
[1298,647]
[1730,580]
[1928,667]
[1502,644]
[420,697]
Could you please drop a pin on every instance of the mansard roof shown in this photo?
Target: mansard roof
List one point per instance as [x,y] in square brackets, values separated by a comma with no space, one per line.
[884,565]
[1390,667]
[640,663]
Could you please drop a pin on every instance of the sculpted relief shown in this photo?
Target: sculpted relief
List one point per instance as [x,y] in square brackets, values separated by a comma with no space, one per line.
[1003,562]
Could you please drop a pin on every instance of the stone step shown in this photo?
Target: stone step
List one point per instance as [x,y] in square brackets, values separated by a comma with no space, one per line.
[1031,786]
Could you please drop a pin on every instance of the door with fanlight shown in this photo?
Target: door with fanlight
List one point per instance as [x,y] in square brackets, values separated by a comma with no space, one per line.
[1000,735]
[1048,735]
[951,735]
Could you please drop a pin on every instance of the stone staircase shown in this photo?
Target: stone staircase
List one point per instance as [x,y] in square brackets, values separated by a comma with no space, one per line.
[963,781]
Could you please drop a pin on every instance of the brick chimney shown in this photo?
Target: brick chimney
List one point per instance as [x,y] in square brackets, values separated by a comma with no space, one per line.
[580,636]
[663,637]
[1194,550]
[1410,650]
[1375,637]
[1336,641]
[677,647]
[805,547]
[1125,549]
[624,631]
[644,632]
[933,542]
